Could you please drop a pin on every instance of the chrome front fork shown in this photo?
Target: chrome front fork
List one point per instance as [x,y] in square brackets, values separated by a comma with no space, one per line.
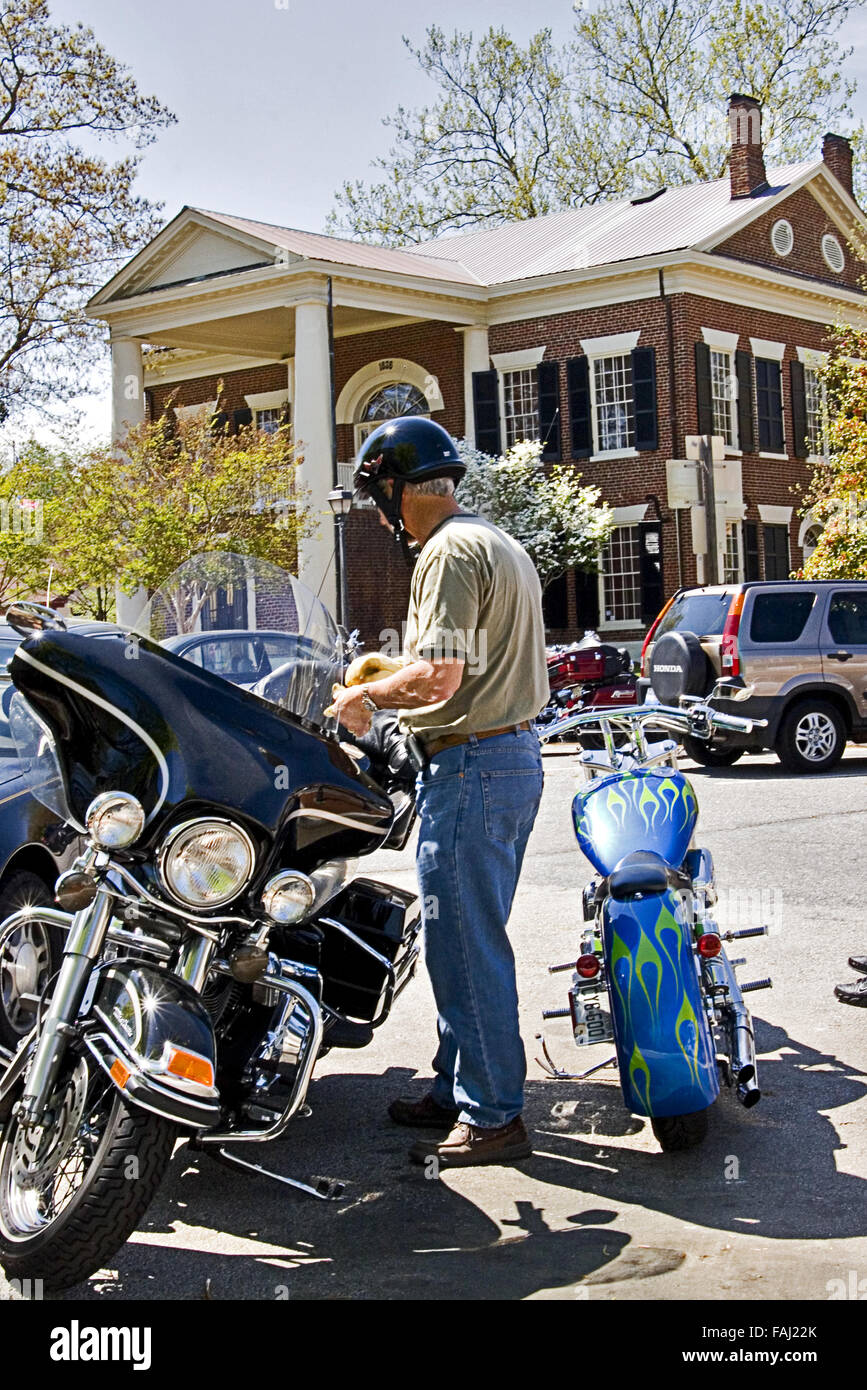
[84,944]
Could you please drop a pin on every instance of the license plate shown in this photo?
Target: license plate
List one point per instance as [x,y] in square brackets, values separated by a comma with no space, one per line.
[591,1021]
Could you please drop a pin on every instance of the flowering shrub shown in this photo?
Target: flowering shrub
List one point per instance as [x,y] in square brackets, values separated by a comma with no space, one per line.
[560,525]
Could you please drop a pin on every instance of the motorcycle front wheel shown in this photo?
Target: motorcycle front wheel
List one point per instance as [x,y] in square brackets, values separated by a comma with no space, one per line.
[74,1190]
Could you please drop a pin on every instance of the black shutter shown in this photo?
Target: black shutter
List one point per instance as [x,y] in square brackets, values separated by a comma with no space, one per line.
[549,410]
[486,410]
[587,597]
[744,374]
[650,560]
[644,396]
[776,540]
[243,418]
[800,443]
[221,421]
[769,405]
[578,384]
[555,602]
[704,399]
[751,550]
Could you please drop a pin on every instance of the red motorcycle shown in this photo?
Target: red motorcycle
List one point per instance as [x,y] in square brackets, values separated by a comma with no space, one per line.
[588,674]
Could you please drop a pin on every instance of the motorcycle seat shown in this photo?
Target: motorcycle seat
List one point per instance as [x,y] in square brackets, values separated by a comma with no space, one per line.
[643,871]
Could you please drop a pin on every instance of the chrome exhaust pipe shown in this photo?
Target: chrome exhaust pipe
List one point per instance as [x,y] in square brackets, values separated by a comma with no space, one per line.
[739,1034]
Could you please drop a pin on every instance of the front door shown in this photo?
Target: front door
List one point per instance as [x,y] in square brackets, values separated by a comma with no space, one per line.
[843,645]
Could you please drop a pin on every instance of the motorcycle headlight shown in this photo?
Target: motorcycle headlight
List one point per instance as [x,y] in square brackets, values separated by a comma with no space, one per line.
[114,820]
[288,897]
[205,863]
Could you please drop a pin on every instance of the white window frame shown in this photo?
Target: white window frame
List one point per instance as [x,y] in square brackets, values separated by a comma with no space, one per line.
[774,352]
[718,340]
[192,412]
[523,359]
[623,517]
[612,345]
[733,527]
[813,360]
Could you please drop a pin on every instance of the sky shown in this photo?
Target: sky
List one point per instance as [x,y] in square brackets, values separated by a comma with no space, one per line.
[279,101]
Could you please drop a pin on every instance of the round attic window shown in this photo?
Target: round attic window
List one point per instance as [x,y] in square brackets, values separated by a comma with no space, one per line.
[782,237]
[833,253]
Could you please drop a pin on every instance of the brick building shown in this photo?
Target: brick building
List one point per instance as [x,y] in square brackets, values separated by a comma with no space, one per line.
[611,332]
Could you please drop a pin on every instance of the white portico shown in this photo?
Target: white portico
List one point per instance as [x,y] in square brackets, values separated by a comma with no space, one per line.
[223,295]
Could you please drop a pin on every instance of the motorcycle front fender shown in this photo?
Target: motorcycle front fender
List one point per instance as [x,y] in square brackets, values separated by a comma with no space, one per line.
[665,1049]
[151,1034]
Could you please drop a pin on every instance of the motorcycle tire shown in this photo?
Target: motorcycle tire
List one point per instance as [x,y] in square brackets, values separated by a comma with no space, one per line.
[131,1156]
[675,1133]
[41,946]
[708,756]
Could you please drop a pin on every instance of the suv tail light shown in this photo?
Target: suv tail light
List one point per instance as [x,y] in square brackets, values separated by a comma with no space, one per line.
[730,661]
[649,638]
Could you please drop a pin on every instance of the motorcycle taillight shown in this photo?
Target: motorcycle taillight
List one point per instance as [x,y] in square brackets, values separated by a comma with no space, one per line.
[730,661]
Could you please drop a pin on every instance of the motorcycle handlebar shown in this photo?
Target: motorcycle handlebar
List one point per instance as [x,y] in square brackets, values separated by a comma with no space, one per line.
[698,720]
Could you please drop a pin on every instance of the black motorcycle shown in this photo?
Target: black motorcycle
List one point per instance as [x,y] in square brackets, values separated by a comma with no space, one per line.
[217,940]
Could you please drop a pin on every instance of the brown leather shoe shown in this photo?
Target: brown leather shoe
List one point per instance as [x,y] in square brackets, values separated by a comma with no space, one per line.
[422,1114]
[469,1146]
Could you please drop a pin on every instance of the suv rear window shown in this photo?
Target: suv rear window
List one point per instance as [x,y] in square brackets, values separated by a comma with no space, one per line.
[703,614]
[780,617]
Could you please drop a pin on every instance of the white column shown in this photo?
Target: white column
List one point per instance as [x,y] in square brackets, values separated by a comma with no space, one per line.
[127,411]
[476,359]
[311,414]
[127,386]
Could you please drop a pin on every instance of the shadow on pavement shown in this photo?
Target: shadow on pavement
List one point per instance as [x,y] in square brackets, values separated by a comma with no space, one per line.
[397,1235]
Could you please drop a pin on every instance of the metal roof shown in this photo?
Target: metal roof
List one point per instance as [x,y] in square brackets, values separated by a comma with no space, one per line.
[317,247]
[578,238]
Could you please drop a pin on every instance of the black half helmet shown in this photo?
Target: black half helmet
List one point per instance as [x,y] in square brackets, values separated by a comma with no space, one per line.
[410,449]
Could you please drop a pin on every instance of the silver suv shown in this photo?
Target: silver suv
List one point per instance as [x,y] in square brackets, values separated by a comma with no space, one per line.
[801,647]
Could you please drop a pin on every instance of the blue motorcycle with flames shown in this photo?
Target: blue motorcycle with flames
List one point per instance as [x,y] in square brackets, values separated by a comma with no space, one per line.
[652,975]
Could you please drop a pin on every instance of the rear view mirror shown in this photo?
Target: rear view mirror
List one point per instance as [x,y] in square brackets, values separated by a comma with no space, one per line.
[729,690]
[27,618]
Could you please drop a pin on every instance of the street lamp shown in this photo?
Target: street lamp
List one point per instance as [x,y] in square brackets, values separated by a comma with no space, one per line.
[340,502]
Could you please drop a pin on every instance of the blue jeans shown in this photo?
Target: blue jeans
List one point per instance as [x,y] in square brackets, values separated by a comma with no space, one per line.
[477,804]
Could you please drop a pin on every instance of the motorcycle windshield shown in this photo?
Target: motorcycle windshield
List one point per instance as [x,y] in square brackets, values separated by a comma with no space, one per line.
[254,624]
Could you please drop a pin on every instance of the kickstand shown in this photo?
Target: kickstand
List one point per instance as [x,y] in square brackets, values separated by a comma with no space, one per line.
[326,1189]
[550,1066]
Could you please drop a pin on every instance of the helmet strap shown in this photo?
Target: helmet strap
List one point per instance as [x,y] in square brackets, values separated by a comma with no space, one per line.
[391,510]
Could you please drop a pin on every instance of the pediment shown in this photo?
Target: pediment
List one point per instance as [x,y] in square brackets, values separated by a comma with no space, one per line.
[188,250]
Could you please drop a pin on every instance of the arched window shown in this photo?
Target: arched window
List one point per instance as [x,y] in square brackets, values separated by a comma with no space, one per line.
[811,539]
[389,403]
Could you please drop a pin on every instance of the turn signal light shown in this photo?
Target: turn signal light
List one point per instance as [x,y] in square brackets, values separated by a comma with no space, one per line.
[709,945]
[587,966]
[190,1066]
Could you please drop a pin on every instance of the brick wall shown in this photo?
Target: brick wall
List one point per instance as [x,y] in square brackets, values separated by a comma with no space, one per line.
[809,222]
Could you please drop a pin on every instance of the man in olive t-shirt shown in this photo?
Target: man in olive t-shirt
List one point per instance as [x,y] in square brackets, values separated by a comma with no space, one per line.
[475,677]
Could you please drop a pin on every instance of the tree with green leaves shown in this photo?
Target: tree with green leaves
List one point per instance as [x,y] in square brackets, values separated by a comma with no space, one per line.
[176,490]
[633,101]
[560,525]
[68,218]
[837,496]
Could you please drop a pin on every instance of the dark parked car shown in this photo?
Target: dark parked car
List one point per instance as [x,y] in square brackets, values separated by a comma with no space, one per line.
[240,657]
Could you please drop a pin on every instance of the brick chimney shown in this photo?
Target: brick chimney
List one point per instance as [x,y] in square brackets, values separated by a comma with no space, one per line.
[746,161]
[837,154]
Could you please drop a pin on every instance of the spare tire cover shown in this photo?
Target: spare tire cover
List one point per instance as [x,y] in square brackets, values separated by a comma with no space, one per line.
[678,666]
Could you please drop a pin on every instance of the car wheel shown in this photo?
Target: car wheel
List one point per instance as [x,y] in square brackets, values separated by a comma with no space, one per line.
[812,737]
[678,666]
[28,958]
[707,755]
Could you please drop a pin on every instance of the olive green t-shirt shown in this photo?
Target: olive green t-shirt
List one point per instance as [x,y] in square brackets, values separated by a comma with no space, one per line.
[476,597]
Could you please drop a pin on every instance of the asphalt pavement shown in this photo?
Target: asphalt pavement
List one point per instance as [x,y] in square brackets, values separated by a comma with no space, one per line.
[772,1206]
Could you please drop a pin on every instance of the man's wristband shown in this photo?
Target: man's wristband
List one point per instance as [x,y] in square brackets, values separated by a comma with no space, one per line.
[367,700]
